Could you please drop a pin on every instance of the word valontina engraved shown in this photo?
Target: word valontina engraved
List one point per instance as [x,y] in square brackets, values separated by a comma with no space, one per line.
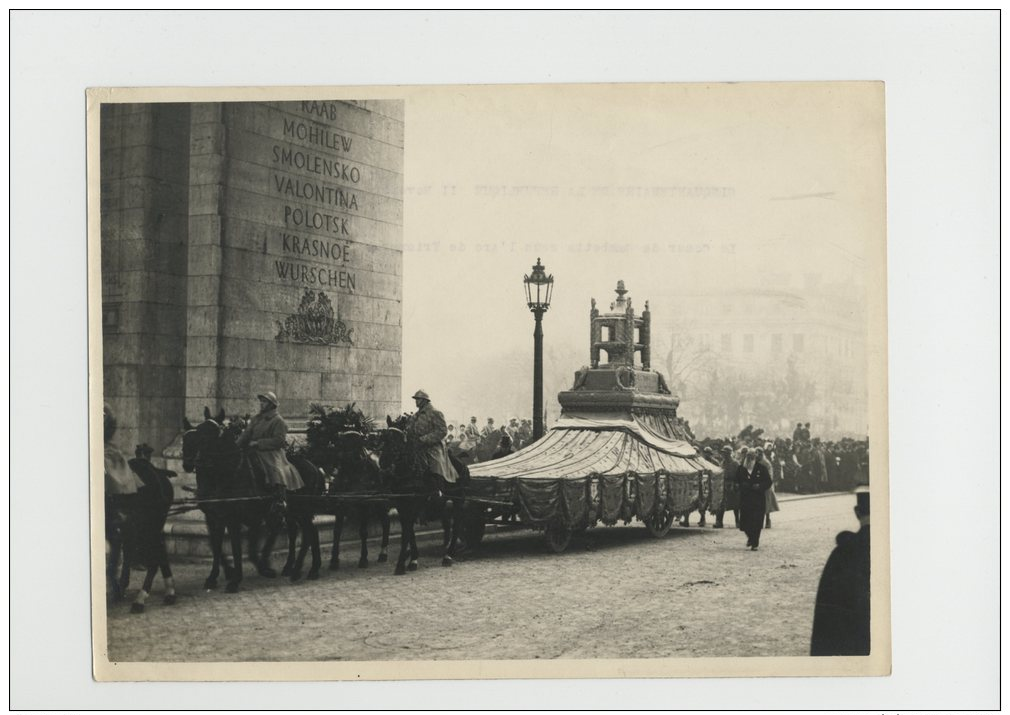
[314,323]
[315,192]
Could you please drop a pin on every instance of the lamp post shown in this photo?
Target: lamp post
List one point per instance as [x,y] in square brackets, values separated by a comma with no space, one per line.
[539,287]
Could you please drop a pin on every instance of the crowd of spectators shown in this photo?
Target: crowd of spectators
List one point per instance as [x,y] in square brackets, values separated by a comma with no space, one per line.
[472,442]
[803,464]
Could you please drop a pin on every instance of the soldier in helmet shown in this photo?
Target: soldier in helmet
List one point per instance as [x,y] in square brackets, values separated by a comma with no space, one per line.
[427,428]
[472,430]
[842,608]
[266,436]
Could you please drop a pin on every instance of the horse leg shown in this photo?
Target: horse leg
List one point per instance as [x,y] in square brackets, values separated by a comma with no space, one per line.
[384,547]
[289,566]
[138,603]
[446,523]
[112,565]
[128,549]
[310,538]
[406,526]
[363,535]
[317,558]
[338,526]
[262,557]
[235,533]
[166,575]
[215,532]
[412,566]
[292,567]
[455,518]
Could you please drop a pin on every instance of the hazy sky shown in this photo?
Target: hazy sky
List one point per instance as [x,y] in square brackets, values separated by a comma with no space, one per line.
[672,188]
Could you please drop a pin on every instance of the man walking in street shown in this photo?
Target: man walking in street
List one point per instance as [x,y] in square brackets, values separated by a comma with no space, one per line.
[753,480]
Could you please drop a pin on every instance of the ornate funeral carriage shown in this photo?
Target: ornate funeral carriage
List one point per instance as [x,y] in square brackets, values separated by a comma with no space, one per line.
[618,452]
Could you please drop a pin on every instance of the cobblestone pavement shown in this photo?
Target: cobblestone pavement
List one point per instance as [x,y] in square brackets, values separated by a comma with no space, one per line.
[616,593]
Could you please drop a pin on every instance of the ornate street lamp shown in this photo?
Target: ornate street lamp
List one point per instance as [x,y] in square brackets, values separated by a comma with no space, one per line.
[539,287]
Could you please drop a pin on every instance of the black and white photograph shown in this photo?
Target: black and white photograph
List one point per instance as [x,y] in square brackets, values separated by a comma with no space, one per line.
[495,374]
[519,360]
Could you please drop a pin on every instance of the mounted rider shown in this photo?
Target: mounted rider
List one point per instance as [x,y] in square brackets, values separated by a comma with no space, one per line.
[267,437]
[427,429]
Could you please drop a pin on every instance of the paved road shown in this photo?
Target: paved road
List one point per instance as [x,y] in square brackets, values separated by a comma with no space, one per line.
[617,593]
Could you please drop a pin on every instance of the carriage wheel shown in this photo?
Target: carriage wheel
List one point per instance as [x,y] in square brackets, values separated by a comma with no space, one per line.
[557,537]
[659,522]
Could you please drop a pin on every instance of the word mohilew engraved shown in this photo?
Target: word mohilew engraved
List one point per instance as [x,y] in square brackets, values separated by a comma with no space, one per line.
[314,134]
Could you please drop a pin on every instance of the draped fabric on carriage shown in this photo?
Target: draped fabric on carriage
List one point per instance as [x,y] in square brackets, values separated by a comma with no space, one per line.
[598,468]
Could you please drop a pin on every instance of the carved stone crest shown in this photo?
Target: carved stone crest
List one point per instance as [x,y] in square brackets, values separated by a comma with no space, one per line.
[314,323]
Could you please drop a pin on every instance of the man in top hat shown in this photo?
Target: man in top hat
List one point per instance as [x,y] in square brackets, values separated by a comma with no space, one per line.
[266,436]
[842,607]
[427,428]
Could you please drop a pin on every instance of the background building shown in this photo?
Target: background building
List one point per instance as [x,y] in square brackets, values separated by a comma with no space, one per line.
[792,350]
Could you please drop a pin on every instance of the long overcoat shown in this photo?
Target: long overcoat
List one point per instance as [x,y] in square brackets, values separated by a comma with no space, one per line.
[730,490]
[270,432]
[753,485]
[842,610]
[427,428]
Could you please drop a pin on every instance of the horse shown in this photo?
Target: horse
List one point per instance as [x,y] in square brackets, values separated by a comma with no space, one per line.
[357,472]
[299,518]
[137,499]
[416,491]
[230,497]
[150,510]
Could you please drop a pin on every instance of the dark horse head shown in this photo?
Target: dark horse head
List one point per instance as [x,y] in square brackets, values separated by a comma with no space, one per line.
[356,465]
[401,463]
[210,450]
